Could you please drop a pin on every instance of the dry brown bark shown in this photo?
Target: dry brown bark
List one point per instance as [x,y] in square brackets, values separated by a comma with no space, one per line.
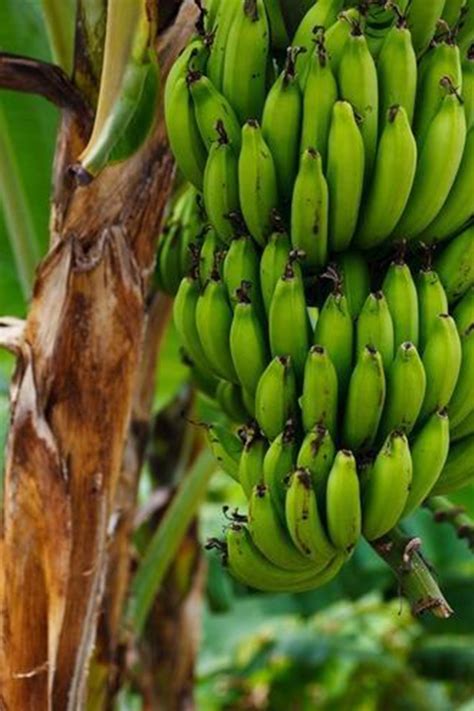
[72,396]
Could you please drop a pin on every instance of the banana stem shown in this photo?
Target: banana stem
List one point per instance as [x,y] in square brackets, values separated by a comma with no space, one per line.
[444,511]
[415,578]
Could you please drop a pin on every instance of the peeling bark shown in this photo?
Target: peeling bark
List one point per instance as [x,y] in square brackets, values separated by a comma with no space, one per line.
[72,398]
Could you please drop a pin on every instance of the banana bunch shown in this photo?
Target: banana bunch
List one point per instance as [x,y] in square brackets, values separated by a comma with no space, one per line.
[341,351]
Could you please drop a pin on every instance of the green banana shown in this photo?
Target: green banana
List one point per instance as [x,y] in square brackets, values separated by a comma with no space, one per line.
[194,56]
[468,86]
[442,63]
[288,319]
[358,85]
[386,491]
[319,96]
[402,298]
[319,400]
[309,210]
[365,401]
[279,462]
[395,162]
[226,447]
[465,34]
[214,321]
[464,429]
[303,519]
[241,264]
[455,265]
[169,259]
[229,397]
[452,11]
[211,10]
[397,71]
[322,14]
[335,332]
[374,328]
[345,175]
[422,19]
[279,34]
[429,451]
[248,341]
[281,123]
[464,311]
[211,107]
[355,280]
[276,399]
[462,400]
[432,301]
[201,379]
[438,164]
[184,312]
[246,57]
[442,363]
[343,507]
[458,470]
[316,455]
[224,20]
[250,471]
[337,34]
[221,185]
[458,208]
[270,535]
[211,255]
[257,182]
[251,568]
[272,265]
[406,388]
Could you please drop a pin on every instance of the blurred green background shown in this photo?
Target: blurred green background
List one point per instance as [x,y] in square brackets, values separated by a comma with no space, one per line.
[351,645]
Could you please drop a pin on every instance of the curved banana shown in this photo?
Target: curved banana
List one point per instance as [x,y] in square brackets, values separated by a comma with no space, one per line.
[465,34]
[345,175]
[169,258]
[406,388]
[432,301]
[452,11]
[422,19]
[335,332]
[343,508]
[194,56]
[365,401]
[319,399]
[395,163]
[463,312]
[458,470]
[221,185]
[442,363]
[229,397]
[272,265]
[226,447]
[309,210]
[455,265]
[211,107]
[213,321]
[337,34]
[322,14]
[374,328]
[402,299]
[279,34]
[250,471]
[279,462]
[241,264]
[211,255]
[316,455]
[184,312]
[257,182]
[462,400]
[468,86]
[276,399]
[224,20]
[429,451]
[397,71]
[355,280]
[464,429]
[386,491]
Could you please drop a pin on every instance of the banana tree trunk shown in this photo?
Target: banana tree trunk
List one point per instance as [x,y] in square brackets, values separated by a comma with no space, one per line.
[72,395]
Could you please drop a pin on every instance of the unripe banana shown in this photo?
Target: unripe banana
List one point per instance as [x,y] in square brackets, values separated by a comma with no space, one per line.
[365,401]
[320,94]
[229,397]
[194,56]
[440,63]
[343,509]
[276,399]
[452,11]
[438,163]
[221,185]
[335,332]
[169,259]
[422,19]
[465,34]
[211,10]
[455,265]
[309,210]
[462,400]
[272,265]
[250,470]
[458,207]
[464,429]
[248,341]
[281,124]
[241,264]
[213,321]
[358,85]
[211,255]
[355,280]
[345,175]
[374,328]
[316,455]
[322,14]
[429,451]
[279,462]
[386,492]
[464,311]
[337,35]
[257,182]
[432,301]
[184,312]
[226,447]
[402,299]
[246,57]
[279,34]
[406,388]
[270,535]
[468,86]
[212,107]
[288,319]
[395,162]
[201,379]
[458,470]
[224,21]
[397,72]
[303,519]
[319,400]
[442,363]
